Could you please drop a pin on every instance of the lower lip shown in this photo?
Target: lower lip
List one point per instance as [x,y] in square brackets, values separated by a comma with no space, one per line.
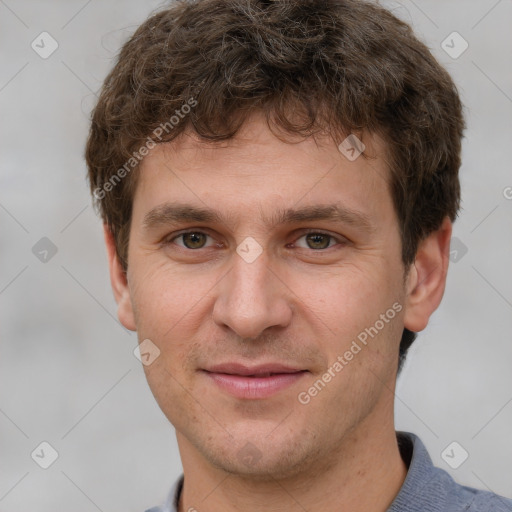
[254,387]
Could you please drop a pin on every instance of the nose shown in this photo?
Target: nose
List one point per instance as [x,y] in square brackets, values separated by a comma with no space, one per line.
[252,298]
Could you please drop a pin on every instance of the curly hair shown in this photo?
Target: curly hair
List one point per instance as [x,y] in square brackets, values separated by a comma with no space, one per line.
[335,66]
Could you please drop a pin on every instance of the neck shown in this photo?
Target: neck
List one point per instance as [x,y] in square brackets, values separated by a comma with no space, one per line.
[365,474]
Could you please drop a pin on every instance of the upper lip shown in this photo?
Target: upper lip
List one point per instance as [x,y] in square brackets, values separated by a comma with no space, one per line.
[261,369]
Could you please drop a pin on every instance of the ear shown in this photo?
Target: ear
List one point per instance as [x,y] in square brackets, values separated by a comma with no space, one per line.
[427,277]
[119,283]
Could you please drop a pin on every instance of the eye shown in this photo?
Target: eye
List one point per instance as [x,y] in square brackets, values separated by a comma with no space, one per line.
[317,241]
[191,240]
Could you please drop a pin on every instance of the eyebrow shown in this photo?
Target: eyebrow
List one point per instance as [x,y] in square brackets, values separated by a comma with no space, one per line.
[169,213]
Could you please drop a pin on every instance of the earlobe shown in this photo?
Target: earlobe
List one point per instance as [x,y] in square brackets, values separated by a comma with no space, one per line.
[119,283]
[427,278]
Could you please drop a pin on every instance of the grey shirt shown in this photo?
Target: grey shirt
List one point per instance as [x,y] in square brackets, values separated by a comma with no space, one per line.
[425,489]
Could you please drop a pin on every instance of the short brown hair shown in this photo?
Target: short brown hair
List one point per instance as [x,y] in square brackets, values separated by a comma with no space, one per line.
[335,66]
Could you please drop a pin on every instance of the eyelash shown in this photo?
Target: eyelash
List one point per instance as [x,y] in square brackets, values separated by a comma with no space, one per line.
[342,241]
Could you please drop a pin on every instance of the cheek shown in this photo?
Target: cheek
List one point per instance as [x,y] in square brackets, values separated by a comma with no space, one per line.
[164,296]
[173,308]
[347,302]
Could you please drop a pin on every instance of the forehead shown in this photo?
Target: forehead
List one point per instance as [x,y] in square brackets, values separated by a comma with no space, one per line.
[266,175]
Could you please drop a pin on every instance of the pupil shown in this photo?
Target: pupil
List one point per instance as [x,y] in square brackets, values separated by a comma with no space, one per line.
[193,240]
[316,240]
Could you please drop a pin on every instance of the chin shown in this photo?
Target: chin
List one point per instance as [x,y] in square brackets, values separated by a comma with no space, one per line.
[261,461]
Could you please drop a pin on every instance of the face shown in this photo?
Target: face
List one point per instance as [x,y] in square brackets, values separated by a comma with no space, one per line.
[255,265]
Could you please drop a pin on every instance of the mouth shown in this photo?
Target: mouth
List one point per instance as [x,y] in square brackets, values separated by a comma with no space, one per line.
[253,383]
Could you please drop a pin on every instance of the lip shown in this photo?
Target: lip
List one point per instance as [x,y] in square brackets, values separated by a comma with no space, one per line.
[256,382]
[261,369]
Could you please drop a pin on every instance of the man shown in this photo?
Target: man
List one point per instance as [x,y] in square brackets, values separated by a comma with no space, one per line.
[278,182]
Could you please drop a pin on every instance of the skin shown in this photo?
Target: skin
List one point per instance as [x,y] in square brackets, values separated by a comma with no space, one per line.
[293,304]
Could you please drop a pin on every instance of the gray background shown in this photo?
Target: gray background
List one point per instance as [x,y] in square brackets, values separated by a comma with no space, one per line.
[68,375]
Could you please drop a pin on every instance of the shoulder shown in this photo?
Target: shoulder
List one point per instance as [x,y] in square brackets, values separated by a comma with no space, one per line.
[483,501]
[427,487]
